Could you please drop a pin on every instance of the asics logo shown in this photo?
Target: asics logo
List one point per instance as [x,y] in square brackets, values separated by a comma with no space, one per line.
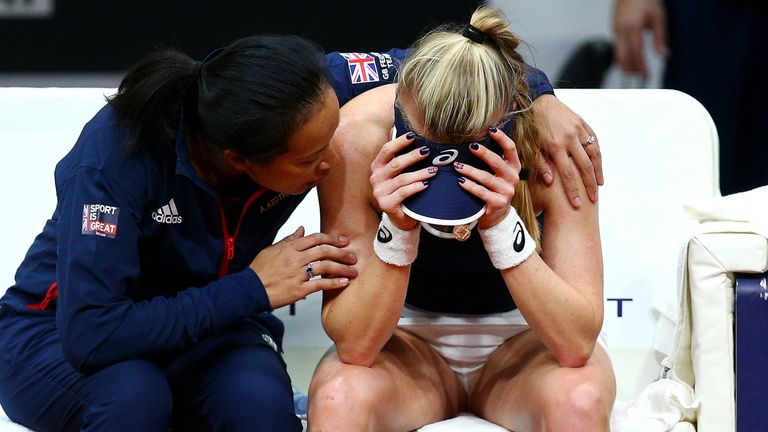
[383,236]
[519,242]
[445,157]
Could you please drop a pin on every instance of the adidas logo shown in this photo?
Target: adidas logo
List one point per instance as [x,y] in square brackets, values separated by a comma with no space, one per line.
[167,214]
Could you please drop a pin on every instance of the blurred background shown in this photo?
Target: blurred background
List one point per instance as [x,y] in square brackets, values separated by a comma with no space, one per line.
[92,43]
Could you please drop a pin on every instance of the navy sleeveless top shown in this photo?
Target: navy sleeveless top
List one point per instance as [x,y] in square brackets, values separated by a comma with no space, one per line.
[454,276]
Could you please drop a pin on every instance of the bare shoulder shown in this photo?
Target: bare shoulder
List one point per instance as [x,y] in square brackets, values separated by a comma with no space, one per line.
[552,201]
[365,123]
[346,200]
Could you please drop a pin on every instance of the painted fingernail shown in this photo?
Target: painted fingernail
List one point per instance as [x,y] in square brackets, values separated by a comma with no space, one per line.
[462,179]
[424,151]
[577,201]
[458,165]
[492,129]
[547,177]
[343,281]
[432,169]
[410,135]
[343,238]
[474,146]
[425,182]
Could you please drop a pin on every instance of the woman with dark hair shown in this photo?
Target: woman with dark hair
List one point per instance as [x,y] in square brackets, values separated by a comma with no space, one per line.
[146,301]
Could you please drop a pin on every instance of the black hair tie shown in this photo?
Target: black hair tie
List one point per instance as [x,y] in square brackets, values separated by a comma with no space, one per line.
[474,34]
[524,174]
[198,70]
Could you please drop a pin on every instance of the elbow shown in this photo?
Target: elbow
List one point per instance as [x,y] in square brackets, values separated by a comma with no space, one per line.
[81,358]
[572,360]
[574,355]
[82,353]
[357,354]
[352,351]
[575,351]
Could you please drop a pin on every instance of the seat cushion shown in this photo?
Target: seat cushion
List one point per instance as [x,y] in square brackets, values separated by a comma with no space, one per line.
[463,422]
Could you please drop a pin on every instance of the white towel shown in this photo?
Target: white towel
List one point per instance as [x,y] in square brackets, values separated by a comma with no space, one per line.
[664,406]
[750,206]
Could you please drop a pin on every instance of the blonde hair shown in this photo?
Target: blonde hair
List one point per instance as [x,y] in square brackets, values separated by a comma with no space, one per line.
[461,87]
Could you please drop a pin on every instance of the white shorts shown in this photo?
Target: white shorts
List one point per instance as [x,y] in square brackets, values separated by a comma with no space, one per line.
[465,341]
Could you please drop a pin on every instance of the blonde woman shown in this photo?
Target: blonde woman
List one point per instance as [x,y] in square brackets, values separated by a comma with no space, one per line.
[454,308]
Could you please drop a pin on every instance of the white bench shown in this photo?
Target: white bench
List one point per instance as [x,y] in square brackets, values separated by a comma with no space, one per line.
[659,151]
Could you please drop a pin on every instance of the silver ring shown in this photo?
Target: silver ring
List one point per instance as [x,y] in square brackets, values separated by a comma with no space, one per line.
[590,140]
[310,273]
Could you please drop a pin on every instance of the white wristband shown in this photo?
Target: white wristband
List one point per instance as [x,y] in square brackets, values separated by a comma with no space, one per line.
[395,246]
[508,242]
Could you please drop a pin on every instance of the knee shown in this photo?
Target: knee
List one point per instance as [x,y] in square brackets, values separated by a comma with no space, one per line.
[582,406]
[134,394]
[150,396]
[253,406]
[348,392]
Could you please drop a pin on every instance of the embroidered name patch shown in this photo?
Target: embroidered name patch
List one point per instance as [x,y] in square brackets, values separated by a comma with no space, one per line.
[100,219]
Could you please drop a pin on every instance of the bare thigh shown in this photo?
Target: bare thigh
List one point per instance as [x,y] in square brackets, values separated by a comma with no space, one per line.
[522,386]
[409,385]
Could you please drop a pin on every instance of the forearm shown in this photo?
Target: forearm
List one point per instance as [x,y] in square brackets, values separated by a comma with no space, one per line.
[363,317]
[97,332]
[561,315]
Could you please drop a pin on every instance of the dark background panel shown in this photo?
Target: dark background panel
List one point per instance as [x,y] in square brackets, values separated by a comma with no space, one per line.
[104,35]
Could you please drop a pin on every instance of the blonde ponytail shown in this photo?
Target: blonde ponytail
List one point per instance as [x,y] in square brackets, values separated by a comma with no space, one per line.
[461,84]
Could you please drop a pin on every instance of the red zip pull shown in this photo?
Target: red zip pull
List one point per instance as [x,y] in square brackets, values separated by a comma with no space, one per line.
[50,295]
[230,248]
[229,241]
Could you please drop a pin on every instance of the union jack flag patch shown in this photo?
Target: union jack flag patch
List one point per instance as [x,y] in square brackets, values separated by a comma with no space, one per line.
[362,68]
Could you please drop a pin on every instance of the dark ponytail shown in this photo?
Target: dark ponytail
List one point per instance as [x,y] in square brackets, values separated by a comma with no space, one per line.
[248,98]
[148,99]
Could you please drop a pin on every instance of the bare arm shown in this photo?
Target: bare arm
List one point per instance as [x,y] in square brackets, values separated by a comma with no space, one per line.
[361,318]
[559,292]
[562,136]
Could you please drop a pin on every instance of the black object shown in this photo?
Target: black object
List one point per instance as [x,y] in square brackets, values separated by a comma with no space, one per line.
[587,66]
[97,35]
[474,34]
